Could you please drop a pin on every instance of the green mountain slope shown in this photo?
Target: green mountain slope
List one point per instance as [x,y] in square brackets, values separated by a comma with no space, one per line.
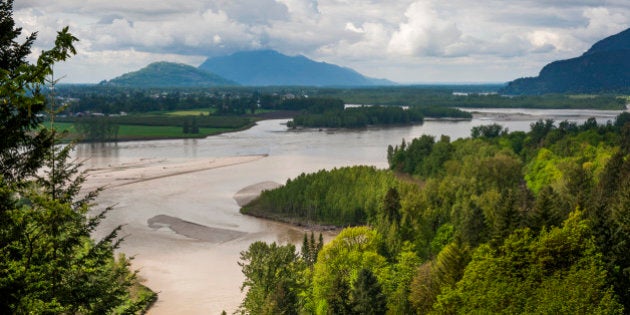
[604,68]
[168,74]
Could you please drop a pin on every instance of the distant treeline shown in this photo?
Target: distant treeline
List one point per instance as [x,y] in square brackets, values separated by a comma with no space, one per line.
[243,100]
[315,105]
[330,113]
[545,101]
[483,96]
[358,117]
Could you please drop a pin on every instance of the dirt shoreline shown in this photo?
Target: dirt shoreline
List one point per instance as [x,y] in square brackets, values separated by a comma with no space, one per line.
[143,170]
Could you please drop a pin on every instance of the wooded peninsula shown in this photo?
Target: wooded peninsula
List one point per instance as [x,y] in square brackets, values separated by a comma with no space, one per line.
[501,222]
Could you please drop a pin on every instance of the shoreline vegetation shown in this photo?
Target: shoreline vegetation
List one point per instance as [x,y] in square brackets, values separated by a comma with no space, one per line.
[497,221]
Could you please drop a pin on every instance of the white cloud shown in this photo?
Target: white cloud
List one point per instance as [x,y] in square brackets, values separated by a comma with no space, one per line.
[603,22]
[350,27]
[367,41]
[381,38]
[108,64]
[424,32]
[303,8]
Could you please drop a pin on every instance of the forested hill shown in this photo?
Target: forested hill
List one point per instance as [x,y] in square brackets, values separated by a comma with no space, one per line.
[500,223]
[269,67]
[604,68]
[169,74]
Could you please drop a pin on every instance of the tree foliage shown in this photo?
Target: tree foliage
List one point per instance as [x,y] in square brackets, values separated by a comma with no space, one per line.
[358,117]
[342,197]
[558,271]
[367,295]
[533,222]
[271,273]
[48,261]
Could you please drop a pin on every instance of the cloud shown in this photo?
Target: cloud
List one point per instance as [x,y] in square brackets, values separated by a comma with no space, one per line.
[373,35]
[254,12]
[602,22]
[424,32]
[109,64]
[365,41]
[545,41]
[303,8]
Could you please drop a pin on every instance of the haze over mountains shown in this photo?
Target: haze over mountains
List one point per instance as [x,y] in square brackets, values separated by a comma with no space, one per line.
[249,68]
[604,68]
[269,67]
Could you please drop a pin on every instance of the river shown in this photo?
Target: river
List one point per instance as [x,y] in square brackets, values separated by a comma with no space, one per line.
[175,198]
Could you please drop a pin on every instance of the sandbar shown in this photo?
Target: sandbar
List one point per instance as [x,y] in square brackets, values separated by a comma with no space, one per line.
[143,170]
[194,230]
[251,192]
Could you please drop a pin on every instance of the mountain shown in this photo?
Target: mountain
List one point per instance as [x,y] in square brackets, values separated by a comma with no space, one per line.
[605,67]
[169,74]
[269,67]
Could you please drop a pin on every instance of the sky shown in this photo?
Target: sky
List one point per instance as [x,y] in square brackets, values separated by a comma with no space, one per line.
[406,41]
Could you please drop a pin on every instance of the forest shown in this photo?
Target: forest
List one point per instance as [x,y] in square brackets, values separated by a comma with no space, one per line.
[501,222]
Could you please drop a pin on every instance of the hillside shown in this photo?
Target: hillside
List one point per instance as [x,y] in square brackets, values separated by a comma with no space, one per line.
[604,68]
[268,67]
[168,74]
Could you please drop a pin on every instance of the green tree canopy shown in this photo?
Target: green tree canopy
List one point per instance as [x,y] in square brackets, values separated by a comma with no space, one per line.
[48,262]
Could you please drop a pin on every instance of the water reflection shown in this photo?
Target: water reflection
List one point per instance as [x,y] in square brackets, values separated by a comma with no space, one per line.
[98,154]
[190,147]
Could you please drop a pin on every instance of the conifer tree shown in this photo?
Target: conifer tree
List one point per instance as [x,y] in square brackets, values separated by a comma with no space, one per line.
[367,295]
[21,144]
[338,298]
[48,261]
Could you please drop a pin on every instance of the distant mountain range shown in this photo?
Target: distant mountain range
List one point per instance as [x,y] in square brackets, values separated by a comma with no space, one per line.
[249,68]
[269,67]
[169,74]
[604,68]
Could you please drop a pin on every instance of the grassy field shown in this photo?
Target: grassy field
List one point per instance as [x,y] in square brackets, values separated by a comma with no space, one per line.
[143,132]
[189,112]
[161,125]
[62,126]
